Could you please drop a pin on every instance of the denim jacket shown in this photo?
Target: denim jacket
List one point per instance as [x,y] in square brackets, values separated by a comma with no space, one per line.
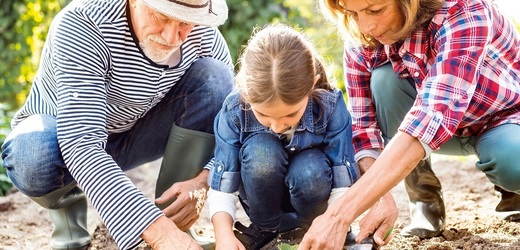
[326,126]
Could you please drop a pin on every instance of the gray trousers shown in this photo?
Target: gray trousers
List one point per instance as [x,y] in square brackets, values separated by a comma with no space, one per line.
[496,148]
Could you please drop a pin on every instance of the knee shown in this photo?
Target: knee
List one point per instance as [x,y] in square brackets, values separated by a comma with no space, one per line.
[501,168]
[218,76]
[310,175]
[497,159]
[27,157]
[385,85]
[310,184]
[507,177]
[263,156]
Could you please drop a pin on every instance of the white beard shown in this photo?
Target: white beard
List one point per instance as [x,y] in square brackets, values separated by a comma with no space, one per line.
[155,53]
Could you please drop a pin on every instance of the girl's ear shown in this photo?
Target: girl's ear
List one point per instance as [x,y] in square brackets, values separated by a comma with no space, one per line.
[316,79]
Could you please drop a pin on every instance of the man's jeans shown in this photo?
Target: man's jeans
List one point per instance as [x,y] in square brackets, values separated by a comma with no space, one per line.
[275,180]
[33,159]
[496,148]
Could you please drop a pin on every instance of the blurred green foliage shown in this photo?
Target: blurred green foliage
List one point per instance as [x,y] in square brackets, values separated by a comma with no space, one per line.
[5,183]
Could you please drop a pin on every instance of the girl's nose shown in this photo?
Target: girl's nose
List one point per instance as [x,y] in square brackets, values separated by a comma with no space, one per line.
[277,127]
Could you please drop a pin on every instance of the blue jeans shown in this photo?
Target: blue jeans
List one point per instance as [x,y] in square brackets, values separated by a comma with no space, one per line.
[275,180]
[495,148]
[33,159]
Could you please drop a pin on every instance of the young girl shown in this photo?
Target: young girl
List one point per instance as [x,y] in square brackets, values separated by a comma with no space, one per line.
[283,141]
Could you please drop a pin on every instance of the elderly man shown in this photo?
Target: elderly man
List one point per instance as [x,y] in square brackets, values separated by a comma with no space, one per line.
[122,83]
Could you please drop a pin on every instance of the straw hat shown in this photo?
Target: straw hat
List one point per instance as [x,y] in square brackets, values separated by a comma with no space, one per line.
[201,12]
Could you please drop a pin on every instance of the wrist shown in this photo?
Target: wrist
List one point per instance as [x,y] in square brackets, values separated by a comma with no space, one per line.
[154,232]
[339,211]
[202,179]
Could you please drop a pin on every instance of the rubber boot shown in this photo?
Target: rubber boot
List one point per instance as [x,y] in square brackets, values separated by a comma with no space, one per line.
[426,202]
[186,153]
[509,206]
[68,211]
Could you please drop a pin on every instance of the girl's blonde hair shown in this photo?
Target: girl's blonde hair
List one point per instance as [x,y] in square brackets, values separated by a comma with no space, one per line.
[279,64]
[416,13]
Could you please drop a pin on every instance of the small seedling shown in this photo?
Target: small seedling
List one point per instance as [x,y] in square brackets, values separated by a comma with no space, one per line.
[285,246]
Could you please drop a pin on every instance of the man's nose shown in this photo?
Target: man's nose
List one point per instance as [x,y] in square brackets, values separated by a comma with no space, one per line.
[171,34]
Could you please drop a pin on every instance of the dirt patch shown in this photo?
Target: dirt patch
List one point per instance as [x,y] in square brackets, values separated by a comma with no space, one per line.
[469,198]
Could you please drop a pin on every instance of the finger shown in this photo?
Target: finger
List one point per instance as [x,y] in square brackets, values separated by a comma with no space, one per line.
[364,233]
[182,201]
[190,223]
[304,244]
[182,224]
[184,218]
[383,234]
[169,194]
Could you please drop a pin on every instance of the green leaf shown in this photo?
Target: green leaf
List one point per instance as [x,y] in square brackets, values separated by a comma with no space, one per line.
[285,246]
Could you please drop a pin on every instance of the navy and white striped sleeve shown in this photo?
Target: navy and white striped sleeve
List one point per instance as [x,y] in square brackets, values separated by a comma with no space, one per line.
[81,59]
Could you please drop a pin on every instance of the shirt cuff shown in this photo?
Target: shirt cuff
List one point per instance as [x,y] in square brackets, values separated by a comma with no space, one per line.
[335,193]
[373,153]
[209,165]
[427,150]
[221,202]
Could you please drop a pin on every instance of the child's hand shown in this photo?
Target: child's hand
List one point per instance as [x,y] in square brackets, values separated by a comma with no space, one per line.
[224,235]
[230,243]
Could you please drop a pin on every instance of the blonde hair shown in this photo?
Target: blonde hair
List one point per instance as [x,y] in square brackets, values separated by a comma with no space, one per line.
[416,13]
[279,64]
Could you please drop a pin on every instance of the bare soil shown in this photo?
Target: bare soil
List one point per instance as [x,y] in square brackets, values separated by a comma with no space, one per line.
[469,198]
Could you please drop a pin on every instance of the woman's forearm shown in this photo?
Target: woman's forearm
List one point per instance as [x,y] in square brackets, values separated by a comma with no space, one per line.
[396,161]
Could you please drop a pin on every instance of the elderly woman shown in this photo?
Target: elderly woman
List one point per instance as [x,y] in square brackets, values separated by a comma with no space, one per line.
[424,76]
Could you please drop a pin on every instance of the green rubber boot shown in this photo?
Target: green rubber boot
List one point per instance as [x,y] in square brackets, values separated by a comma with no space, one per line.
[509,206]
[186,153]
[68,211]
[426,202]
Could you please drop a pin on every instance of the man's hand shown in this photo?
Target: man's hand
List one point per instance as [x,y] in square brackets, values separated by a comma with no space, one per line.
[379,221]
[162,234]
[189,198]
[326,232]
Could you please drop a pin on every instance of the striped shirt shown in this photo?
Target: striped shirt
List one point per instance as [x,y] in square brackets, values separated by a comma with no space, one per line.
[94,78]
[466,69]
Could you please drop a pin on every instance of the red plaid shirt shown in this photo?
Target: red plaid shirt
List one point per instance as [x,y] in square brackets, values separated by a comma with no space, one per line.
[466,68]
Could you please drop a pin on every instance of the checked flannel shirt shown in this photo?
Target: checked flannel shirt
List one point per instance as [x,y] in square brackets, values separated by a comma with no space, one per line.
[466,69]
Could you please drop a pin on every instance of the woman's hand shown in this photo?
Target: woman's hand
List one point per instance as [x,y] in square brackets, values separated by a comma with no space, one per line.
[379,221]
[326,232]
